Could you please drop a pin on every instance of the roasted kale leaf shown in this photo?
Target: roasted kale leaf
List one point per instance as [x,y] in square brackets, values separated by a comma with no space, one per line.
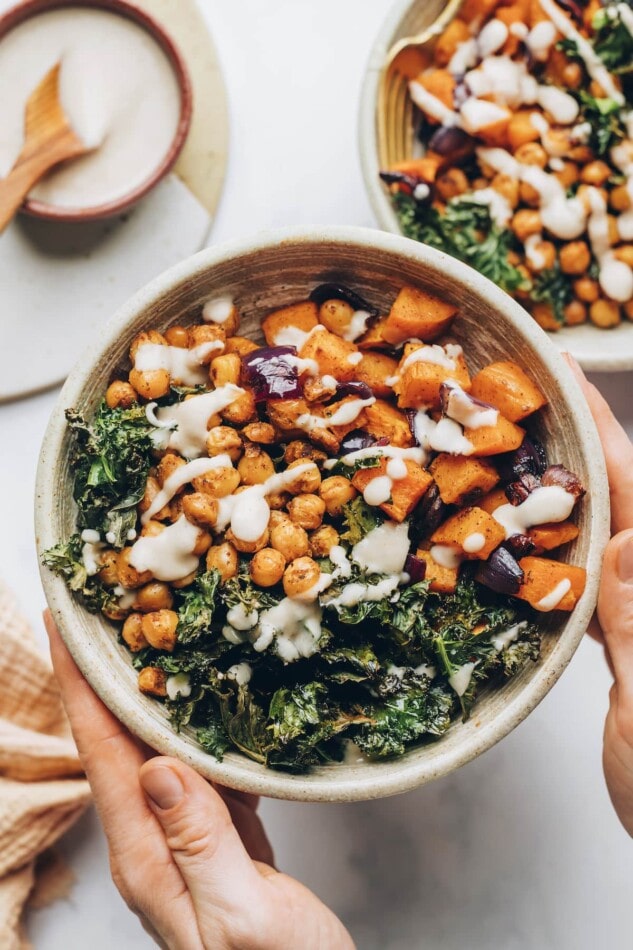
[197,606]
[553,287]
[65,560]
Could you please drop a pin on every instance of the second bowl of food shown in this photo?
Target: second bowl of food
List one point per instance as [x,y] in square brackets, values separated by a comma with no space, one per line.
[322,514]
[507,142]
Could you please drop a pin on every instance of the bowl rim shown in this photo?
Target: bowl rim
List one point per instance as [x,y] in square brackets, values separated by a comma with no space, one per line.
[28,9]
[399,775]
[615,352]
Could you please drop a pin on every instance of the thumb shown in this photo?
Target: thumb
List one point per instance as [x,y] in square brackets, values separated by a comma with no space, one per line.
[615,609]
[218,873]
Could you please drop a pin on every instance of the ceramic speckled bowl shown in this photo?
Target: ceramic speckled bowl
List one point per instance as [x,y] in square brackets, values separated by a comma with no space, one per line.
[595,349]
[267,272]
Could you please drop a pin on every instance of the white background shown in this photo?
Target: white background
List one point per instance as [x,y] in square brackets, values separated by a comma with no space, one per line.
[520,850]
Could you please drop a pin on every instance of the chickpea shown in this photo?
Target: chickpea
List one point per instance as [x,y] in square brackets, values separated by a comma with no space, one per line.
[303,450]
[300,577]
[531,153]
[529,195]
[604,313]
[581,154]
[574,257]
[240,345]
[159,629]
[289,539]
[226,369]
[152,488]
[175,508]
[569,174]
[153,596]
[451,183]
[203,543]
[255,466]
[323,540]
[521,130]
[624,253]
[277,517]
[260,432]
[224,440]
[595,89]
[178,336]
[108,573]
[586,289]
[508,187]
[132,633]
[336,316]
[248,547]
[217,482]
[525,222]
[151,383]
[619,198]
[169,463]
[153,681]
[147,336]
[278,500]
[114,611]
[336,491]
[267,567]
[184,581]
[544,256]
[120,395]
[572,75]
[595,173]
[305,482]
[614,233]
[128,575]
[200,509]
[203,333]
[307,511]
[628,309]
[152,529]
[545,316]
[575,313]
[223,559]
[242,410]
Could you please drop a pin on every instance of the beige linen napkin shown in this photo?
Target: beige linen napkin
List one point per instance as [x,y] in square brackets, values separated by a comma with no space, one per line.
[42,792]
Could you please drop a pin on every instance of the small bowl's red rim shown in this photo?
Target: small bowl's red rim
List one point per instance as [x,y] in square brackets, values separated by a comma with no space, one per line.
[30,8]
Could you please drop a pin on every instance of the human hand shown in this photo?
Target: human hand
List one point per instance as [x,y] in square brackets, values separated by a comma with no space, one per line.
[615,603]
[191,860]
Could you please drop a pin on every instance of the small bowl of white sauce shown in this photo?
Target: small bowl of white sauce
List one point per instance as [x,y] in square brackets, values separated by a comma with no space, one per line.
[124,87]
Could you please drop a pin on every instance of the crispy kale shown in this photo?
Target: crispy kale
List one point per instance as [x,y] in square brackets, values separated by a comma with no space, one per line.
[196,607]
[553,287]
[612,40]
[360,518]
[110,458]
[605,118]
[405,719]
[65,560]
[464,230]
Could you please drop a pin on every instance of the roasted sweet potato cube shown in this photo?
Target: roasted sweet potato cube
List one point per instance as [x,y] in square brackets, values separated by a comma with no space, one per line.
[506,387]
[493,500]
[283,415]
[278,325]
[443,580]
[477,9]
[441,84]
[331,353]
[461,479]
[375,369]
[373,339]
[424,168]
[551,585]
[420,380]
[152,681]
[385,421]
[492,440]
[473,530]
[358,422]
[405,492]
[415,313]
[546,537]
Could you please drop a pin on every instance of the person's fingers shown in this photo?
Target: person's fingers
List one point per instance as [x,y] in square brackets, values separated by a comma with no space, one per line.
[248,823]
[224,884]
[618,451]
[615,609]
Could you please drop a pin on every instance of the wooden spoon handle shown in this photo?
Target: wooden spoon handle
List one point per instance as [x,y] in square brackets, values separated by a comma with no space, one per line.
[15,187]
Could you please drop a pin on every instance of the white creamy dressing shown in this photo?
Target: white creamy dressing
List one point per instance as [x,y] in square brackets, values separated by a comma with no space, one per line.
[555,146]
[622,158]
[540,39]
[241,673]
[295,628]
[182,476]
[502,640]
[338,557]
[307,366]
[178,685]
[444,356]
[476,114]
[467,412]
[183,365]
[499,207]
[242,619]
[218,309]
[249,511]
[548,503]
[169,555]
[534,257]
[431,105]
[189,419]
[378,490]
[415,454]
[295,336]
[117,87]
[492,37]
[125,596]
[615,276]
[446,556]
[448,436]
[561,106]
[91,551]
[553,599]
[357,326]
[354,359]
[460,679]
[396,469]
[353,594]
[464,57]
[474,542]
[423,427]
[384,549]
[346,413]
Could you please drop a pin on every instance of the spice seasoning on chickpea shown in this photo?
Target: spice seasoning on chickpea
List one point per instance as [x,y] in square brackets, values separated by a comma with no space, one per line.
[290,552]
[527,165]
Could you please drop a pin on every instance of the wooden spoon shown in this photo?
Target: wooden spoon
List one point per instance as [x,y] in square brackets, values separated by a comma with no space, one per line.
[48,140]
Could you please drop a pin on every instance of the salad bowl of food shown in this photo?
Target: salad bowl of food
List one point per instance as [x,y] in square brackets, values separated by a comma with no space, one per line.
[517,158]
[321,514]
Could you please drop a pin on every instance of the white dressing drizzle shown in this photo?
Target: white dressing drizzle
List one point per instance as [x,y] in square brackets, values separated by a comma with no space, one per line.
[474,542]
[384,549]
[168,555]
[182,476]
[549,503]
[190,417]
[91,551]
[445,356]
[501,641]
[415,454]
[249,510]
[492,37]
[178,685]
[460,679]
[357,326]
[464,410]
[346,413]
[553,599]
[184,366]
[378,490]
[294,626]
[615,276]
[241,673]
[446,556]
[448,436]
[218,309]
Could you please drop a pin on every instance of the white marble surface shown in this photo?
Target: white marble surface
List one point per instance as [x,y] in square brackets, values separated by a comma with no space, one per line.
[519,850]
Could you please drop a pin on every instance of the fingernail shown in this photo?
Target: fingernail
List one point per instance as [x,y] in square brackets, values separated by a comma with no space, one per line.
[163,786]
[625,562]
